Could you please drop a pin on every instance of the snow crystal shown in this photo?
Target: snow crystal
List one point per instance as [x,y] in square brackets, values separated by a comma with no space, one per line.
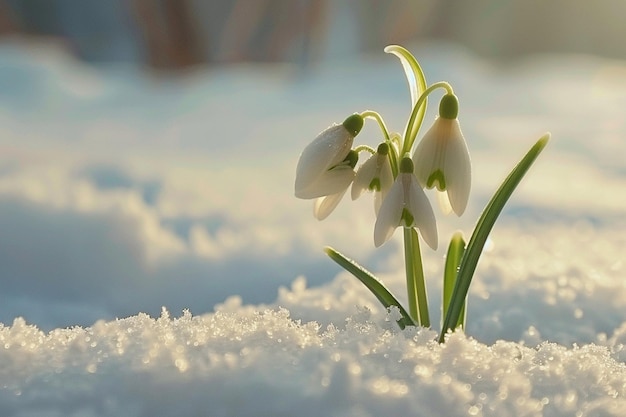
[266,363]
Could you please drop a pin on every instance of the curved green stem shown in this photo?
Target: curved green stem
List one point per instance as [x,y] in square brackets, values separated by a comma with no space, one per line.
[417,115]
[394,145]
[371,114]
[364,148]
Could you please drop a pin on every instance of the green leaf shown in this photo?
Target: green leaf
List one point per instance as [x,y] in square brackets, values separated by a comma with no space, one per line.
[481,232]
[453,260]
[372,283]
[412,70]
[417,85]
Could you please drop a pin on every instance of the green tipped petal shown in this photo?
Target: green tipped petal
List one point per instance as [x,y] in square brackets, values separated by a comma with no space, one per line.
[405,205]
[407,218]
[352,158]
[436,179]
[375,184]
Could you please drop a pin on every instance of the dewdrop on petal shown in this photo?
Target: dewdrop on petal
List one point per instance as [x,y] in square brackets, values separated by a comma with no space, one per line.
[442,159]
[406,205]
[322,168]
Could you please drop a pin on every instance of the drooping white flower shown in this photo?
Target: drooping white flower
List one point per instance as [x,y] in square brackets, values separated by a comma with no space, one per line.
[441,158]
[406,205]
[326,204]
[323,168]
[374,175]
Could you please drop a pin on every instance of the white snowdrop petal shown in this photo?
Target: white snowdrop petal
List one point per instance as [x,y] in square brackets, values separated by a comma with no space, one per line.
[458,171]
[386,176]
[444,202]
[363,178]
[425,155]
[389,215]
[378,201]
[328,149]
[424,217]
[330,182]
[325,205]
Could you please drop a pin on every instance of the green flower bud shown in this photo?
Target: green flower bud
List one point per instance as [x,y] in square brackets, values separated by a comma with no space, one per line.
[353,124]
[383,149]
[449,106]
[406,165]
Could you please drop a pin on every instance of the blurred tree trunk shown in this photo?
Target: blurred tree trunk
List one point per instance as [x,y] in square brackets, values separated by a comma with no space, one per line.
[169,34]
[8,22]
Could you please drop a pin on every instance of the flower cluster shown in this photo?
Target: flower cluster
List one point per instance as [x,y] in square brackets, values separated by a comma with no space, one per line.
[326,169]
[398,172]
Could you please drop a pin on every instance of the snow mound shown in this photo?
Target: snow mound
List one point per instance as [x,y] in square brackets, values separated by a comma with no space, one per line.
[264,363]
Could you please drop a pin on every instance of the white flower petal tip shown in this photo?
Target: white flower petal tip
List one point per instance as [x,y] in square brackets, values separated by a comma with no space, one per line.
[406,205]
[325,205]
[442,160]
[321,169]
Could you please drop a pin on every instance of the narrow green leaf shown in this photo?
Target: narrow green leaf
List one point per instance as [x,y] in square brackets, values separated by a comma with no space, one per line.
[412,70]
[453,260]
[481,232]
[417,85]
[372,283]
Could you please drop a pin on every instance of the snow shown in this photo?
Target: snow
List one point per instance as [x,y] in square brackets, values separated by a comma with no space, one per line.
[263,362]
[155,262]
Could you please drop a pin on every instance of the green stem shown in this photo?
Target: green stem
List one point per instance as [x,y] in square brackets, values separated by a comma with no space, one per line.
[364,148]
[371,114]
[417,115]
[415,284]
[410,279]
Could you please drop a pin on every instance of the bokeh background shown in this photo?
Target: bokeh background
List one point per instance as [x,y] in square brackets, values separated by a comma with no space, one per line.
[147,148]
[177,34]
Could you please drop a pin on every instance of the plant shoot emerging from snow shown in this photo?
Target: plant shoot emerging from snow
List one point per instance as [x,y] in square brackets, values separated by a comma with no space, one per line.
[397,172]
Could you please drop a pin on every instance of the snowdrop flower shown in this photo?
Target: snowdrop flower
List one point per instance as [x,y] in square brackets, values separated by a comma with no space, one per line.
[442,159]
[374,175]
[406,205]
[325,205]
[323,168]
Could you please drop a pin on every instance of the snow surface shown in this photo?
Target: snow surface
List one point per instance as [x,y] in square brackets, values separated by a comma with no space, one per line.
[121,193]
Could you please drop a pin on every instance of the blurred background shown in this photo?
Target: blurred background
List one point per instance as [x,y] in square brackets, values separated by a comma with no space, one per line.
[176,34]
[148,147]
